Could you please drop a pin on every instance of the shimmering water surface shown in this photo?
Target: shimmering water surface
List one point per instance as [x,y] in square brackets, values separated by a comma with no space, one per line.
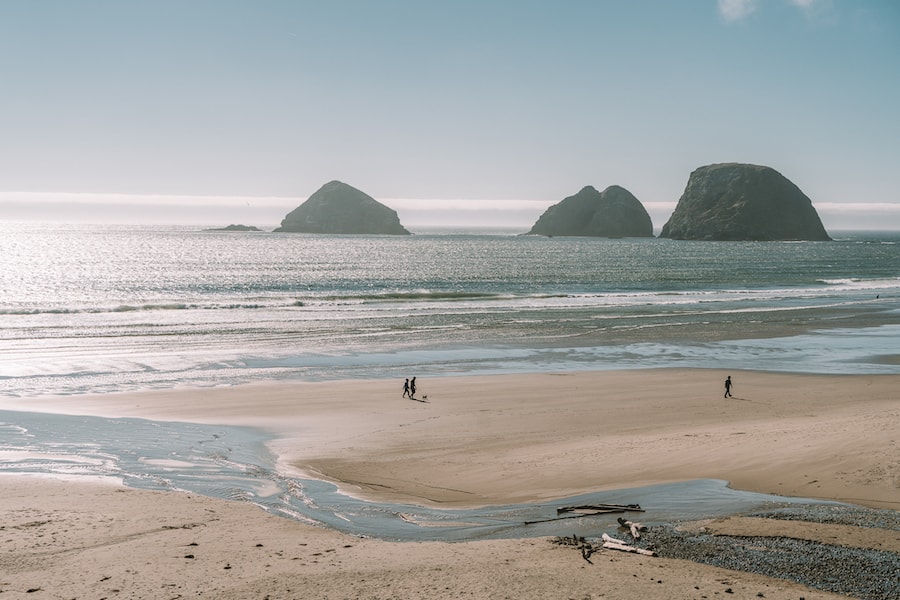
[106,309]
[87,309]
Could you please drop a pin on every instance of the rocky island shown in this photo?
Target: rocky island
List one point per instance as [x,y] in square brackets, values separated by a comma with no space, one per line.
[235,228]
[742,202]
[614,212]
[339,208]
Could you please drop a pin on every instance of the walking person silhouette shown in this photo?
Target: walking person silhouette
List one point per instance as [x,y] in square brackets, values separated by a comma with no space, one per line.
[406,388]
[728,387]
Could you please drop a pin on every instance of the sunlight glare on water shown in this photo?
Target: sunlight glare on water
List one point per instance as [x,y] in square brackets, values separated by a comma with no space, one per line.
[97,309]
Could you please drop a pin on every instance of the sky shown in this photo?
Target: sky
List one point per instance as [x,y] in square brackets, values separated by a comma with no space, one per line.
[471,112]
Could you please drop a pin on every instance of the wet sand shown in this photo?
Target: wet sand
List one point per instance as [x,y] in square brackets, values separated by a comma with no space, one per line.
[475,441]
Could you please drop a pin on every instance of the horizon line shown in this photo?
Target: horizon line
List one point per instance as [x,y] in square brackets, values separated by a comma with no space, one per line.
[431,203]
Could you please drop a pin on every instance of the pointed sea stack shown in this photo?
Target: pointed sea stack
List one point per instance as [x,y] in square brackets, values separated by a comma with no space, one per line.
[339,208]
[740,202]
[615,212]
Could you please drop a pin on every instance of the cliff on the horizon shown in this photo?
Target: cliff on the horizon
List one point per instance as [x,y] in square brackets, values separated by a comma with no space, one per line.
[738,202]
[340,208]
[614,212]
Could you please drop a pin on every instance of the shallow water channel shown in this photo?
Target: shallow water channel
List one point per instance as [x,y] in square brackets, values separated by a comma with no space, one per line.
[234,463]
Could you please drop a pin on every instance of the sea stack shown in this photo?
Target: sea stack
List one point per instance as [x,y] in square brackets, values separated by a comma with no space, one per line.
[614,212]
[741,202]
[339,208]
[238,228]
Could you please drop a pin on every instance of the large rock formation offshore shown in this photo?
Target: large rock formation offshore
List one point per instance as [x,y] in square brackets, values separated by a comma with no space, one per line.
[339,208]
[615,212]
[732,201]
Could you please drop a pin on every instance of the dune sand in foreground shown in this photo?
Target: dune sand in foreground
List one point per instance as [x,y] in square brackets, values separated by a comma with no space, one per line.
[66,540]
[478,440]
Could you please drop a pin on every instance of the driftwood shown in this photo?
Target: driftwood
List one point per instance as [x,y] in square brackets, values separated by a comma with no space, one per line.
[634,528]
[576,516]
[582,544]
[587,510]
[600,508]
[612,543]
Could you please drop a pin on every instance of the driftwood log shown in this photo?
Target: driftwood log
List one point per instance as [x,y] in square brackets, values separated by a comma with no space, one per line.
[634,528]
[587,510]
[609,543]
[612,543]
[600,508]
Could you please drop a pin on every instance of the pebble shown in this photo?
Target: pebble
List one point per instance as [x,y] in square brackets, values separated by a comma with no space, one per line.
[860,573]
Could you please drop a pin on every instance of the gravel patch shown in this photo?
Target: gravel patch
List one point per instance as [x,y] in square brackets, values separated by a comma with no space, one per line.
[837,515]
[859,573]
[866,574]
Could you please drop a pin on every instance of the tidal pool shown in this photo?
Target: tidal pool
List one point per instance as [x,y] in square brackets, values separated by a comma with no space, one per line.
[235,463]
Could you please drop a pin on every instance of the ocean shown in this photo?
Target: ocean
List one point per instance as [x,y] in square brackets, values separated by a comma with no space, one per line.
[113,309]
[95,309]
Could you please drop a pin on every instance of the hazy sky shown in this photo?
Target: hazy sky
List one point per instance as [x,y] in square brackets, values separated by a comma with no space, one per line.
[128,111]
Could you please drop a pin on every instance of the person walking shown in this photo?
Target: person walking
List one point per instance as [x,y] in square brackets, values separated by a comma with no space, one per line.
[728,387]
[412,388]
[406,388]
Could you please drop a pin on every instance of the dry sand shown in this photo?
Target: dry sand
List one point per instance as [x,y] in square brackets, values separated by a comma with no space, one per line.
[476,441]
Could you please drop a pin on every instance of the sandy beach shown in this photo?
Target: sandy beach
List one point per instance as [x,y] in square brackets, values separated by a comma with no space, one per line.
[474,441]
